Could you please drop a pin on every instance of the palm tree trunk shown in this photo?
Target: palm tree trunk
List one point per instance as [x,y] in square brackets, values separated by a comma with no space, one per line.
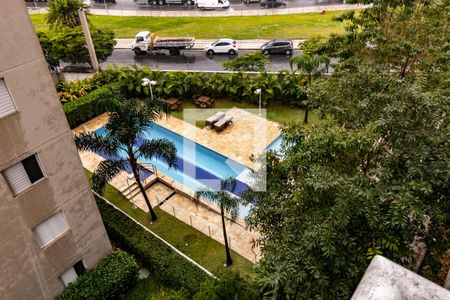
[227,249]
[134,167]
[305,119]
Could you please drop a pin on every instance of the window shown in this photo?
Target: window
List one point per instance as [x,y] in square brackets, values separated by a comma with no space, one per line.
[69,276]
[23,174]
[7,106]
[72,274]
[51,229]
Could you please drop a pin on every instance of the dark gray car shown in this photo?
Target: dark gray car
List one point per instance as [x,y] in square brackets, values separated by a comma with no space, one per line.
[278,46]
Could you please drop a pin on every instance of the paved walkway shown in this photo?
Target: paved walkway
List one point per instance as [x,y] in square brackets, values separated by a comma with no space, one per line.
[215,13]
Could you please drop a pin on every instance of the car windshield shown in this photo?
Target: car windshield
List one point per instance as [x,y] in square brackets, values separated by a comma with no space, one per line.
[215,43]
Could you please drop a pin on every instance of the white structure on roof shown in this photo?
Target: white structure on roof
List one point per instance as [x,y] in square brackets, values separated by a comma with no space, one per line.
[386,280]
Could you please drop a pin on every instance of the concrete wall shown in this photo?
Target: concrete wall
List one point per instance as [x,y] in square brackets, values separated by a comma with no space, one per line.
[39,127]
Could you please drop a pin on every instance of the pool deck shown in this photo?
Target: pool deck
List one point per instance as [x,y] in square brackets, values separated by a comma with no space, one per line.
[203,216]
[248,135]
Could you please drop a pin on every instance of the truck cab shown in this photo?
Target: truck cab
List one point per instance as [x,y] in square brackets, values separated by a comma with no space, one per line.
[141,43]
[213,4]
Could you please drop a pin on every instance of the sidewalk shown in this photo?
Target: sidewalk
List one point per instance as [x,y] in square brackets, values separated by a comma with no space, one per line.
[200,44]
[215,13]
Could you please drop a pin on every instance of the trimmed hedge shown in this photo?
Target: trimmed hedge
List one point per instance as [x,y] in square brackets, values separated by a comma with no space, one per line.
[114,275]
[89,106]
[167,267]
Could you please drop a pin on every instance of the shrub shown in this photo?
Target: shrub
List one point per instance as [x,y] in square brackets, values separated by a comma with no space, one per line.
[167,267]
[69,91]
[89,106]
[113,276]
[253,61]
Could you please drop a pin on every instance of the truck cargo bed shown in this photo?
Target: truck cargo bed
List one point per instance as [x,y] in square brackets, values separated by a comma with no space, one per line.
[177,42]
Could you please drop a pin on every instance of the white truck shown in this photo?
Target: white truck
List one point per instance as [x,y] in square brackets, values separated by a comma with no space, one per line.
[148,42]
[202,4]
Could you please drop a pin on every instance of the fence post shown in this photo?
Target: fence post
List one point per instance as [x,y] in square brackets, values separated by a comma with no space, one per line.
[173,208]
[209,229]
[190,218]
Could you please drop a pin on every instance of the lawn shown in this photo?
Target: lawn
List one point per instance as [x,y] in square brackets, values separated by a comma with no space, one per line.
[204,250]
[277,112]
[298,26]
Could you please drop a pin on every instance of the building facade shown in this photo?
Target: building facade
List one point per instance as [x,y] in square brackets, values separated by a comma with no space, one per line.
[50,227]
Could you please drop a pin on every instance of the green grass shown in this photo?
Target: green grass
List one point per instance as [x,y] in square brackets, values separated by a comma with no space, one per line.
[277,112]
[298,26]
[204,250]
[148,289]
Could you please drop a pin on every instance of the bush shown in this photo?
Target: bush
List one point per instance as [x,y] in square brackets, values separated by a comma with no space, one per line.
[113,276]
[166,266]
[91,105]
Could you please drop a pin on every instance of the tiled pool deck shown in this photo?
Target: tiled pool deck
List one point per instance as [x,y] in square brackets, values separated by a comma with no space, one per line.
[236,142]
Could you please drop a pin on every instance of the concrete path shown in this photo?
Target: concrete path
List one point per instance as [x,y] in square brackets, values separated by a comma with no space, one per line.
[215,13]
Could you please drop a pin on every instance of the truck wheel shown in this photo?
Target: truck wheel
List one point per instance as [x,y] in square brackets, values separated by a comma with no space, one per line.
[231,52]
[174,52]
[210,52]
[137,52]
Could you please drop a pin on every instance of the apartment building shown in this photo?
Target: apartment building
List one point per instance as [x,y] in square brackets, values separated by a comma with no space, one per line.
[50,227]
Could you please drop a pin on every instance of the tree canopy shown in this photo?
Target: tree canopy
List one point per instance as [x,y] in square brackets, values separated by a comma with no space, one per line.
[68,45]
[373,177]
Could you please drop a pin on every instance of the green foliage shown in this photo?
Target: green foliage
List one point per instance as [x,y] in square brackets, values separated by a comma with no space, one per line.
[68,45]
[89,106]
[230,285]
[63,13]
[113,276]
[46,45]
[168,267]
[69,91]
[314,45]
[254,61]
[405,36]
[369,180]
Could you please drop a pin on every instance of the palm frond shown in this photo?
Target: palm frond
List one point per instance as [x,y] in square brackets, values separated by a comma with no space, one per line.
[96,143]
[106,171]
[160,148]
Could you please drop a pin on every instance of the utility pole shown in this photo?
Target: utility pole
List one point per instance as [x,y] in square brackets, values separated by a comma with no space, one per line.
[88,38]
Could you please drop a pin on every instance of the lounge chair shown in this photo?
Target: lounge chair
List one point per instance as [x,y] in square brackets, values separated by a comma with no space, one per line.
[214,118]
[223,123]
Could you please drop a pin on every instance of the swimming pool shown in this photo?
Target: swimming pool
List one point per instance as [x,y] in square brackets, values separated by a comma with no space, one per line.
[198,167]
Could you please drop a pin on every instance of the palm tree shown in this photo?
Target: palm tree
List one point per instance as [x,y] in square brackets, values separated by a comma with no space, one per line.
[126,130]
[227,203]
[64,13]
[312,66]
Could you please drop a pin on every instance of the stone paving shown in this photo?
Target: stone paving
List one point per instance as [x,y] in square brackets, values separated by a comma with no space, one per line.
[248,135]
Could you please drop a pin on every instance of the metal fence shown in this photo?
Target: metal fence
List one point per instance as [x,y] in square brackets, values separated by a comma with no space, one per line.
[210,230]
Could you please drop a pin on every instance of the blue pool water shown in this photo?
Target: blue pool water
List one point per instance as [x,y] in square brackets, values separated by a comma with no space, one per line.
[198,167]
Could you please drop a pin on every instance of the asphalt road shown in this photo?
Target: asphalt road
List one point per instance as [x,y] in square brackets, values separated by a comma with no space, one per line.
[234,5]
[188,60]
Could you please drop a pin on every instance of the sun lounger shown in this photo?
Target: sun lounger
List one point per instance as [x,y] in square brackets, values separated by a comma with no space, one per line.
[223,123]
[214,118]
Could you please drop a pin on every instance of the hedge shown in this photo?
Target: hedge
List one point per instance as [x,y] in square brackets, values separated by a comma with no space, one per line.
[167,267]
[114,275]
[89,106]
